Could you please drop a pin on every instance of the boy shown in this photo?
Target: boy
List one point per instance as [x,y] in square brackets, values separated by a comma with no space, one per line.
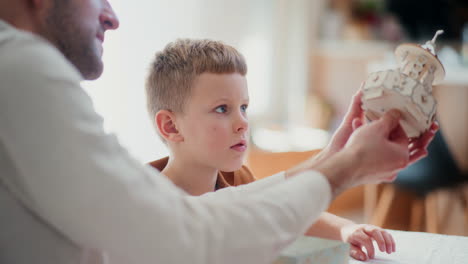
[197,98]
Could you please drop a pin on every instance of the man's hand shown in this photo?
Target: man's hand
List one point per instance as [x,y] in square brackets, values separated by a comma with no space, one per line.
[354,119]
[351,121]
[381,145]
[417,147]
[362,236]
[366,153]
[372,151]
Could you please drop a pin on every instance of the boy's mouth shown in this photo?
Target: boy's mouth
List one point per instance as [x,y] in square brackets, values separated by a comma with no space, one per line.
[240,147]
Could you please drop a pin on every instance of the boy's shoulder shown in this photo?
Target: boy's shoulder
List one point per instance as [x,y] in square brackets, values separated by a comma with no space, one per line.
[234,178]
[225,179]
[159,164]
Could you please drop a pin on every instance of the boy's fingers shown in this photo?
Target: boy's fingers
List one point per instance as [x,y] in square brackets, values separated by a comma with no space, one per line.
[393,243]
[364,240]
[389,241]
[377,236]
[357,253]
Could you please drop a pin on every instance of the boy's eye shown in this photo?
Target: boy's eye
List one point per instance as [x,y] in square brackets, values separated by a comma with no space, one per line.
[221,109]
[244,108]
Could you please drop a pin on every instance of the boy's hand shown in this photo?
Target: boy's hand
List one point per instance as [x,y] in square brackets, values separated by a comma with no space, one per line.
[362,236]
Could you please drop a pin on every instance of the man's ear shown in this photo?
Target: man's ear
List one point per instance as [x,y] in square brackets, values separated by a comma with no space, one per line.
[37,4]
[39,9]
[167,128]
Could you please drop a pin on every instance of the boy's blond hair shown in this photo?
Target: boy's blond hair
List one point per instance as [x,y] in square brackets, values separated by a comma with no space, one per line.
[175,68]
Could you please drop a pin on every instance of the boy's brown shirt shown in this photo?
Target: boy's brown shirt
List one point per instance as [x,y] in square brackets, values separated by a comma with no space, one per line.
[225,179]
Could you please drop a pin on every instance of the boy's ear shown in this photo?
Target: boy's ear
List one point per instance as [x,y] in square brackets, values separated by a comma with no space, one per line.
[165,121]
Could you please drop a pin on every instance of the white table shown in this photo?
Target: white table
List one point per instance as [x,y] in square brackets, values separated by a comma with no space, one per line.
[416,248]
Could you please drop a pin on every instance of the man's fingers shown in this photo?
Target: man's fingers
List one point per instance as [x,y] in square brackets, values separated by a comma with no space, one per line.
[355,109]
[391,177]
[435,126]
[357,122]
[357,253]
[418,147]
[398,135]
[389,121]
[413,146]
[425,139]
[416,155]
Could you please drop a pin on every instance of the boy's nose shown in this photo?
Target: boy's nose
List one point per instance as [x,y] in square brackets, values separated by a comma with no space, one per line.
[241,125]
[108,18]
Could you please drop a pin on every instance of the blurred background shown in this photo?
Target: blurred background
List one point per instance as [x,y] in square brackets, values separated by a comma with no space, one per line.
[306,59]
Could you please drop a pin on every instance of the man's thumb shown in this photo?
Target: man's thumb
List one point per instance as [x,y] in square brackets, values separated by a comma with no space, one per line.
[357,123]
[389,121]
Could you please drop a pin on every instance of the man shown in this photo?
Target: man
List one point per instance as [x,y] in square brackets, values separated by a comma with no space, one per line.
[69,193]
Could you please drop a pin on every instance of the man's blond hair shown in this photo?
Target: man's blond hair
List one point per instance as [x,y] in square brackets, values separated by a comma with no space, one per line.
[175,68]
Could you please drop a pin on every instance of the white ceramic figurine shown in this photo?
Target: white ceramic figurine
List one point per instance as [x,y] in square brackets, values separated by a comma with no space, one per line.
[408,88]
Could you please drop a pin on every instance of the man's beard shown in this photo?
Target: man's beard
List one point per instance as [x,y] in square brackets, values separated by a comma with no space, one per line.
[63,29]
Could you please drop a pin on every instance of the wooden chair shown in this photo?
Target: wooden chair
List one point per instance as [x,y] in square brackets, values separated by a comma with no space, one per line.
[429,196]
[444,211]
[265,163]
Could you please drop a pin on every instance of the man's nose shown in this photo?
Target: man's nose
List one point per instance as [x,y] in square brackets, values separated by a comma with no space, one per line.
[108,17]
